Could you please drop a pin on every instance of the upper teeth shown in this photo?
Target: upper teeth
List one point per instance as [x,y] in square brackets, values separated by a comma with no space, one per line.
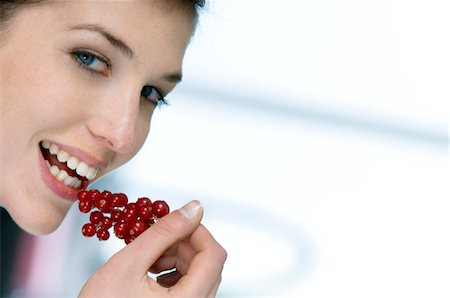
[80,167]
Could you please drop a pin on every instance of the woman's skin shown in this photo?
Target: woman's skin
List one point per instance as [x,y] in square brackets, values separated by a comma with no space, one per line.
[54,89]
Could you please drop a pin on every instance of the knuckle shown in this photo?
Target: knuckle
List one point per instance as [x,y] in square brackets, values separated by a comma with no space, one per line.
[163,228]
[221,254]
[224,254]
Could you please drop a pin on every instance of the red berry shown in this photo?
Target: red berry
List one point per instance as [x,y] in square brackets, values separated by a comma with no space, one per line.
[130,206]
[137,228]
[106,222]
[123,199]
[121,230]
[142,202]
[102,234]
[88,230]
[145,213]
[116,201]
[116,215]
[82,195]
[93,194]
[130,213]
[103,205]
[106,194]
[96,217]
[85,206]
[160,208]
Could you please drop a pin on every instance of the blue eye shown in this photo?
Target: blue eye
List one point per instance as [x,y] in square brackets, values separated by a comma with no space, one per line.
[153,95]
[150,93]
[85,58]
[91,61]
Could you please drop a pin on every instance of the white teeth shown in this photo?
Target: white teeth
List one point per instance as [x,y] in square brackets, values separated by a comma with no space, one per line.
[54,170]
[82,169]
[62,156]
[53,149]
[62,175]
[48,164]
[68,180]
[72,163]
[45,144]
[92,172]
[75,183]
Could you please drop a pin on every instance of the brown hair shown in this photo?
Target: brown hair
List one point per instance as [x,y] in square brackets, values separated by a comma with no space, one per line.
[10,7]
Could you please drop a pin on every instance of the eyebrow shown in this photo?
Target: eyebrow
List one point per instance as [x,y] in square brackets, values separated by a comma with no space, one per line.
[122,46]
[115,41]
[173,77]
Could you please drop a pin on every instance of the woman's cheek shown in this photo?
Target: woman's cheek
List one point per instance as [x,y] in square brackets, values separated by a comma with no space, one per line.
[142,132]
[143,124]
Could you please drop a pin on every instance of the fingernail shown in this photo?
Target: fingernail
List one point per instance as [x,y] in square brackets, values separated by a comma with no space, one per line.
[191,210]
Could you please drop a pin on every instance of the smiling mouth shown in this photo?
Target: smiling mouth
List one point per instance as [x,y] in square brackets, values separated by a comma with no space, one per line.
[66,168]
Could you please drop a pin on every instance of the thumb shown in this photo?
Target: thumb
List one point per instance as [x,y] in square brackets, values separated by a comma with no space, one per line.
[141,253]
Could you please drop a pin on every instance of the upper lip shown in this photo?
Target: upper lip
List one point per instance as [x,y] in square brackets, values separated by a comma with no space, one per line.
[82,155]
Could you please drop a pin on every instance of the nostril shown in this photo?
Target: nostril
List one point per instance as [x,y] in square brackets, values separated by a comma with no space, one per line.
[107,141]
[98,136]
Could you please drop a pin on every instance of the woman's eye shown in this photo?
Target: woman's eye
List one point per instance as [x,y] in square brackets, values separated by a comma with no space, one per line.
[92,62]
[153,95]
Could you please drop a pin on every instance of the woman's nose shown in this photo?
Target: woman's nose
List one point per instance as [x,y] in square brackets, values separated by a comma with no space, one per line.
[114,120]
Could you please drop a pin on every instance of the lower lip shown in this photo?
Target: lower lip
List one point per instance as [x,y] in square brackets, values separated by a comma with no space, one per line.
[58,187]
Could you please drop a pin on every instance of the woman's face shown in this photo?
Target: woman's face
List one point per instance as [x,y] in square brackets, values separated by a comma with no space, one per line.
[82,77]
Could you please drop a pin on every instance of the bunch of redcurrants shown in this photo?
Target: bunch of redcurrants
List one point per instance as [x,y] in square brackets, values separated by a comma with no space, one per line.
[128,220]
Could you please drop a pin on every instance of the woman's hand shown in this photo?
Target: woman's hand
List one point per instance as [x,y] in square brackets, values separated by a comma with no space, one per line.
[177,241]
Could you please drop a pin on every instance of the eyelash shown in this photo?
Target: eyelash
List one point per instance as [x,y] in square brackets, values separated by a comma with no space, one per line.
[159,102]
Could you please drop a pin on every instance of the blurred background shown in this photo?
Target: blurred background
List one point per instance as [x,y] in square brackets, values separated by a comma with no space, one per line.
[315,133]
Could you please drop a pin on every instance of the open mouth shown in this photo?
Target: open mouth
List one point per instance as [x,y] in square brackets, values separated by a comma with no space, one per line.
[66,168]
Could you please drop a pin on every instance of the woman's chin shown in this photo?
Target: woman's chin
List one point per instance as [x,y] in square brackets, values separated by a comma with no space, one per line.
[39,225]
[40,228]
